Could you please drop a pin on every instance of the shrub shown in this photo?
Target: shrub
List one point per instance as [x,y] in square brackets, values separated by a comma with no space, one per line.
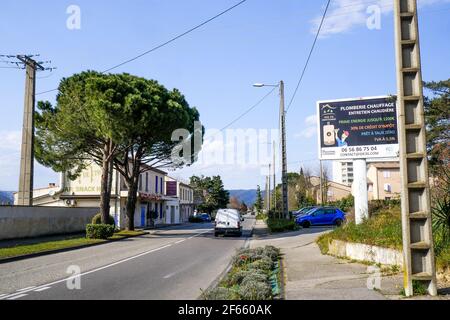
[236,276]
[441,224]
[272,252]
[247,256]
[97,219]
[99,231]
[220,293]
[255,290]
[281,225]
[264,264]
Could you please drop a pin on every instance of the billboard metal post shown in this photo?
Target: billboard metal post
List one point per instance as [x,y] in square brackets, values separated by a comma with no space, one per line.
[360,191]
[418,250]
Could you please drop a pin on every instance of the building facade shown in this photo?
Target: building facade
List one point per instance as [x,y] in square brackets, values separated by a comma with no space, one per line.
[384,181]
[343,172]
[154,206]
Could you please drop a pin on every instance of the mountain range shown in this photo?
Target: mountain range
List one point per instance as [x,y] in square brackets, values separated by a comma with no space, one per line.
[6,197]
[246,196]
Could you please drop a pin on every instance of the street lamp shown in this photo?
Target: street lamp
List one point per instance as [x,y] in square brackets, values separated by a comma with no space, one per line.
[285,204]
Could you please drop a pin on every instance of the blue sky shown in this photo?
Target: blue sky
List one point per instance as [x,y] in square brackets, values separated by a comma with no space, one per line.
[215,67]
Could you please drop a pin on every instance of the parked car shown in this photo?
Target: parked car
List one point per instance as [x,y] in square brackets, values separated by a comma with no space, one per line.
[302,211]
[205,217]
[228,221]
[321,216]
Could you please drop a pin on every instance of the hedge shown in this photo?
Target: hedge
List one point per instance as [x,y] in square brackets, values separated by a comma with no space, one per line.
[99,231]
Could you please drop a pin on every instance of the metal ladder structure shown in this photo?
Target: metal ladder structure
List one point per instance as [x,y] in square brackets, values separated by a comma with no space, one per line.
[418,250]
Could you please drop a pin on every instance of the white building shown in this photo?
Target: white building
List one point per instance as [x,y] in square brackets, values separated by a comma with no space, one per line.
[85,192]
[343,172]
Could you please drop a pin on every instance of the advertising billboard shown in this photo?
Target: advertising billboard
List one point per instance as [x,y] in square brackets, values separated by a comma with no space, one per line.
[362,128]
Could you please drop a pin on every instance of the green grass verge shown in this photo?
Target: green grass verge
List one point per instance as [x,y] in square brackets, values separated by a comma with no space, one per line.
[384,230]
[69,242]
[21,250]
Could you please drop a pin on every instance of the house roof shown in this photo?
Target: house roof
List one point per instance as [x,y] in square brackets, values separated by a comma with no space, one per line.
[386,165]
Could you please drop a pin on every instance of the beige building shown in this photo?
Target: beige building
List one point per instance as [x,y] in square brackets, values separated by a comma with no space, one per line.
[335,191]
[383,180]
[85,192]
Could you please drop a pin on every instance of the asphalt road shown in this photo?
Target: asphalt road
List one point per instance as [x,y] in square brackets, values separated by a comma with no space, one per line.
[176,263]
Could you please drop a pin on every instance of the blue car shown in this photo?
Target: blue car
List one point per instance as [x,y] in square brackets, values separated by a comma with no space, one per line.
[205,217]
[321,216]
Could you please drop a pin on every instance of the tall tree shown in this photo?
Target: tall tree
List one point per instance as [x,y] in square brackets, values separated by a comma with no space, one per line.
[437,113]
[211,192]
[152,115]
[79,129]
[259,200]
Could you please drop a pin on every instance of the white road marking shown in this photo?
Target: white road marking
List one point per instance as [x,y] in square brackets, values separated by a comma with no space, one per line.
[169,275]
[17,295]
[2,295]
[28,288]
[42,289]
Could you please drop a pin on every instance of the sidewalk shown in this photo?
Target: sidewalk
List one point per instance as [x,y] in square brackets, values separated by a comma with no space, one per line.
[309,275]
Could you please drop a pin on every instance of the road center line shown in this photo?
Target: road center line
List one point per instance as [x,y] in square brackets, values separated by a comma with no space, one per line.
[21,292]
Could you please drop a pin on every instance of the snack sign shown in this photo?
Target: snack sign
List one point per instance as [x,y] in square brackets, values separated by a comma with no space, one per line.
[363,128]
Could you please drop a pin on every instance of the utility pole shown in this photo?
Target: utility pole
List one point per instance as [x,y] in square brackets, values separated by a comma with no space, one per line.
[25,193]
[274,178]
[270,166]
[284,178]
[267,193]
[418,250]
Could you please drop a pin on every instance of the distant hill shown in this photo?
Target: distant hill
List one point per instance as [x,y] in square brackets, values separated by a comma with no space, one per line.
[247,196]
[6,197]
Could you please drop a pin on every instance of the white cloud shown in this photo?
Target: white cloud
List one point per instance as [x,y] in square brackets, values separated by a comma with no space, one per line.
[310,129]
[344,15]
[10,140]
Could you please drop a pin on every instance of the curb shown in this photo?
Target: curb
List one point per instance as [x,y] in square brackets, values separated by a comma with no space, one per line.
[49,252]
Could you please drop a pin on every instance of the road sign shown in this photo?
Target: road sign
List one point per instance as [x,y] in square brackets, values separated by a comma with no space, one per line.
[358,128]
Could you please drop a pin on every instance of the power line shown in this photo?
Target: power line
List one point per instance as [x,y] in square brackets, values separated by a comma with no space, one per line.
[309,56]
[168,41]
[248,110]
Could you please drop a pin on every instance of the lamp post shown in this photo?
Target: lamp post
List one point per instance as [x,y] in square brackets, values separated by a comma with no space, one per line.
[284,203]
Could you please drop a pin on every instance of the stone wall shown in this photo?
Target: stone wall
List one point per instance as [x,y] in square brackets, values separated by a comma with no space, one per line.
[26,222]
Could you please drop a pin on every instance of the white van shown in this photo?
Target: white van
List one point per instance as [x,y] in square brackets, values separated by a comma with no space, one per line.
[228,221]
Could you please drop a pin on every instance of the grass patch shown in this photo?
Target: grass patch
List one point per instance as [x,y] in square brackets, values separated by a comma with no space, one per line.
[126,234]
[21,250]
[66,243]
[384,230]
[443,260]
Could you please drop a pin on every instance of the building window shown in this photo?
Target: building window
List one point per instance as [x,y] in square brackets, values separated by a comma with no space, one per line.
[370,188]
[156,184]
[140,182]
[386,173]
[146,182]
[387,187]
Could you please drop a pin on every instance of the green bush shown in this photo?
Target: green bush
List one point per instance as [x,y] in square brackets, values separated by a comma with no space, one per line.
[281,225]
[255,290]
[272,252]
[237,275]
[97,219]
[99,231]
[264,264]
[441,224]
[220,293]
